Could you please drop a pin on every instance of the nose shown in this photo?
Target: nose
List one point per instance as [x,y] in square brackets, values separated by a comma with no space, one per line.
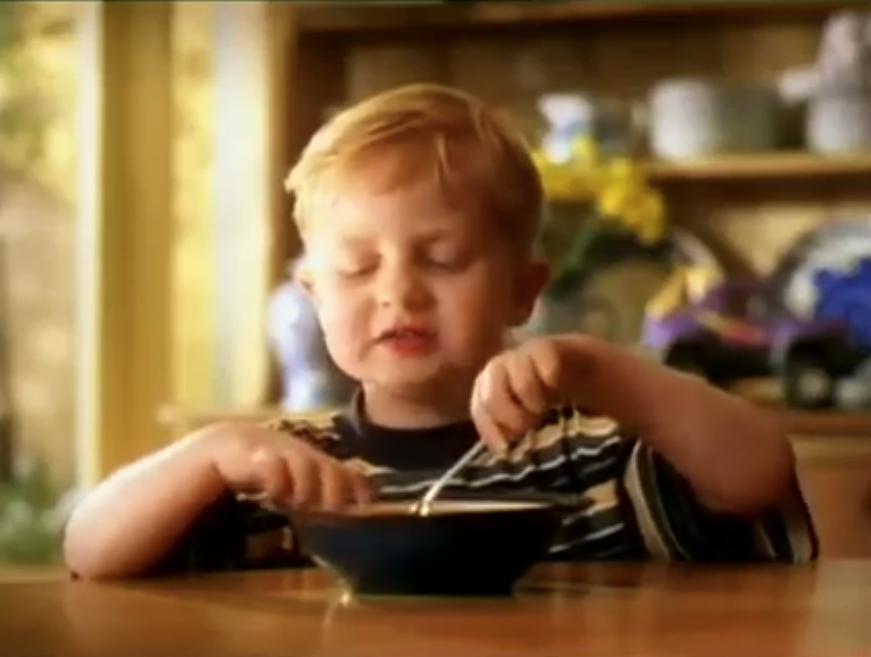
[401,286]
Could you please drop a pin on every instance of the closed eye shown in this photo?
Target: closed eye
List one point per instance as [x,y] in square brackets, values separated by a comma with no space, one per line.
[352,271]
[447,261]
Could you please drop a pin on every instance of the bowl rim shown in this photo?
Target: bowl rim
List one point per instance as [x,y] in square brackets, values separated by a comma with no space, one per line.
[464,504]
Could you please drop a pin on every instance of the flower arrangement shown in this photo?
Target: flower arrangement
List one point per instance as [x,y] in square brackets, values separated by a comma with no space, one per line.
[601,210]
[616,187]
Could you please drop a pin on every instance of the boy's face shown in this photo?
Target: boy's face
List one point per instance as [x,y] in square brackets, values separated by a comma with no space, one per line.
[413,295]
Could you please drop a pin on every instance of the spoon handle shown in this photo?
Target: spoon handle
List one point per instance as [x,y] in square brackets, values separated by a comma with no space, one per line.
[437,486]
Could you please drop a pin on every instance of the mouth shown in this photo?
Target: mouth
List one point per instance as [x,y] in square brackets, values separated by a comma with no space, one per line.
[409,340]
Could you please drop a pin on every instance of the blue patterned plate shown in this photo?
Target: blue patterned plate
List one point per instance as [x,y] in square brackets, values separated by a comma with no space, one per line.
[827,257]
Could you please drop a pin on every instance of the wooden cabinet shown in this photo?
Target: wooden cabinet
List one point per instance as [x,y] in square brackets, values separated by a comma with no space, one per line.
[748,208]
[835,474]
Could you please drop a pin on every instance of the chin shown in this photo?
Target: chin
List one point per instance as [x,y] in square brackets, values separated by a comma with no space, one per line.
[417,379]
[411,384]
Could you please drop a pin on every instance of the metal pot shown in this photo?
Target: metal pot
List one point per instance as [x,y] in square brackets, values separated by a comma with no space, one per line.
[691,118]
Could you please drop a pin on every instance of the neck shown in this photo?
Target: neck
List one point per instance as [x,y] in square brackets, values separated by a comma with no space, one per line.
[408,410]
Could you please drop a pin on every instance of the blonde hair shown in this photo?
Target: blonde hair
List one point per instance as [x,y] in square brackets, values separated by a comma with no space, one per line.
[423,134]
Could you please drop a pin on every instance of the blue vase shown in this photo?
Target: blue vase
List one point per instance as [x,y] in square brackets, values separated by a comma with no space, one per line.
[311,381]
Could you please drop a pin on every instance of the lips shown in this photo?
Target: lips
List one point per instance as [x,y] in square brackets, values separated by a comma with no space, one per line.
[409,340]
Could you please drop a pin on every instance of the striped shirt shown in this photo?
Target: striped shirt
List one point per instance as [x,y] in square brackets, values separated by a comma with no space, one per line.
[632,505]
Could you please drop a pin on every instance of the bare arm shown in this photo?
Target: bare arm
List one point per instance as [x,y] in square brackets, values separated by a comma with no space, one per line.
[735,455]
[133,518]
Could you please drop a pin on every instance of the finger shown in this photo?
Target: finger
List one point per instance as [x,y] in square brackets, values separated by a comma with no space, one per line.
[334,491]
[356,488]
[503,406]
[526,386]
[548,367]
[341,486]
[271,474]
[361,489]
[304,474]
[488,430]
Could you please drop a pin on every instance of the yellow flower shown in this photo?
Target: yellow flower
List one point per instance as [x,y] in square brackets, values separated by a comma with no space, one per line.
[624,171]
[564,181]
[617,187]
[638,207]
[650,219]
[614,201]
[586,151]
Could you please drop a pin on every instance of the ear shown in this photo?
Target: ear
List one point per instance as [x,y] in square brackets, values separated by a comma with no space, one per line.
[531,280]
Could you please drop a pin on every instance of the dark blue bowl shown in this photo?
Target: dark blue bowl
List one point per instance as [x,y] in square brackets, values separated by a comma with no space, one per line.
[465,547]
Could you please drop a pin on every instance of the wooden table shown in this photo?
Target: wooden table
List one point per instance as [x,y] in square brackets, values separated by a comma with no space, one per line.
[596,610]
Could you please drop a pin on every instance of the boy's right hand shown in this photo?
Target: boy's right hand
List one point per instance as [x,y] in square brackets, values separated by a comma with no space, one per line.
[284,470]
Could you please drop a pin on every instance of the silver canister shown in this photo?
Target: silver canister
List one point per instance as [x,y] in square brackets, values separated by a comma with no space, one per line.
[692,118]
[839,122]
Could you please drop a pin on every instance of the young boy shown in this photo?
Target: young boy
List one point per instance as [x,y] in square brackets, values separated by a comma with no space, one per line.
[419,209]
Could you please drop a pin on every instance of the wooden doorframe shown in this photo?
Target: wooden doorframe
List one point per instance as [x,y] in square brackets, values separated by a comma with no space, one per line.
[126,224]
[125,227]
[254,46]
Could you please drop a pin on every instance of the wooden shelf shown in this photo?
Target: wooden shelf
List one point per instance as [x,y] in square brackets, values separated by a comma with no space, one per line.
[411,18]
[783,166]
[811,424]
[828,424]
[775,165]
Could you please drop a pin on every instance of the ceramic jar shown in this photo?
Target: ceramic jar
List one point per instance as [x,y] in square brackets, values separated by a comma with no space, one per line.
[610,124]
[839,122]
[690,118]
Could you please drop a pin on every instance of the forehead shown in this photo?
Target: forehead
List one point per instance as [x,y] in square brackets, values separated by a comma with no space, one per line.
[416,211]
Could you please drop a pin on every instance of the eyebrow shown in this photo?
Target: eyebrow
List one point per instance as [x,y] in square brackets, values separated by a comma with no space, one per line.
[355,242]
[427,238]
[438,235]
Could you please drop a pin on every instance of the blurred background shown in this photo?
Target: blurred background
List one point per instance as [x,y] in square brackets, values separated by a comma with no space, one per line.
[708,165]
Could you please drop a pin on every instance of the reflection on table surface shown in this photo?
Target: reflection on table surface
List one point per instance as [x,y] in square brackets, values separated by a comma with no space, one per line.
[561,609]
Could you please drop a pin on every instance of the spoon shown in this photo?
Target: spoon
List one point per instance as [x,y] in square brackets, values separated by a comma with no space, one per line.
[422,507]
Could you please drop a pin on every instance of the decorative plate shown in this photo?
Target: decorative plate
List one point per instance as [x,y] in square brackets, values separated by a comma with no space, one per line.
[838,246]
[610,298]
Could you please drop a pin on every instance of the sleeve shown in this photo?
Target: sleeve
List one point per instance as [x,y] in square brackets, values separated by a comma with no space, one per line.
[675,526]
[231,535]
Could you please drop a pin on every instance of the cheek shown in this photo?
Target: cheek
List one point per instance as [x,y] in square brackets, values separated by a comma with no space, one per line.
[344,321]
[500,296]
[484,298]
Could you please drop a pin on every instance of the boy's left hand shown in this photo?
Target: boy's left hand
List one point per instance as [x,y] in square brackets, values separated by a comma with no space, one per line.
[516,389]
